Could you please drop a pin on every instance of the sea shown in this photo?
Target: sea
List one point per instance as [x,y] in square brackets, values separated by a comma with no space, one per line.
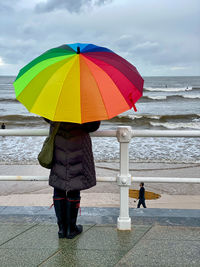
[168,103]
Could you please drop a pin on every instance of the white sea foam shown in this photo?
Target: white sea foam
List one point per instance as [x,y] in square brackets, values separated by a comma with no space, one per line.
[130,116]
[172,96]
[158,97]
[168,89]
[24,150]
[134,117]
[156,117]
[191,96]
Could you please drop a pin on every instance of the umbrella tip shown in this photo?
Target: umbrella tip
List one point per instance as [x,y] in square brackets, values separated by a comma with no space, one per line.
[78,50]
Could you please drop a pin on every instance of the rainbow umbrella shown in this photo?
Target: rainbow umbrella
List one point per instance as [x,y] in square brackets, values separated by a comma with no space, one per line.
[78,83]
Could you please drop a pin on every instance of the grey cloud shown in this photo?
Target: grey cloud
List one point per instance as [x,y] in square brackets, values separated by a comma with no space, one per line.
[70,5]
[149,38]
[18,50]
[6,7]
[127,41]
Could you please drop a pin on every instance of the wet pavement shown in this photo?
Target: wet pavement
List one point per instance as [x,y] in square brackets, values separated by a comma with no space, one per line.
[28,237]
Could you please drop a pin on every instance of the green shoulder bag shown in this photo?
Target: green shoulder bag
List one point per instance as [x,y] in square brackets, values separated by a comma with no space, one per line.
[45,157]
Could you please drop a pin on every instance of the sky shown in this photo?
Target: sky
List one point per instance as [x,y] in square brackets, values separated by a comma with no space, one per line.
[159,37]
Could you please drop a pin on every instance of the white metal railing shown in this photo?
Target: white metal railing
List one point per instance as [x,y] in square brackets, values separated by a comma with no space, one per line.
[124,179]
[107,133]
[107,179]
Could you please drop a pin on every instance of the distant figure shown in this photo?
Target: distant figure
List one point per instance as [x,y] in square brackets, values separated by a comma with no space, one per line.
[165,85]
[141,196]
[3,126]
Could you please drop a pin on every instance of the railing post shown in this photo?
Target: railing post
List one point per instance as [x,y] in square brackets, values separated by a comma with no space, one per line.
[124,135]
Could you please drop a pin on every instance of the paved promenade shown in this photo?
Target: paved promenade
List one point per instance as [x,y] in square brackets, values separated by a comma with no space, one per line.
[159,237]
[177,196]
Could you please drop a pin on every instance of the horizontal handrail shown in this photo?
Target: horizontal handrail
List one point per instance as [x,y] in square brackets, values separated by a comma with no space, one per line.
[45,178]
[166,180]
[165,133]
[45,132]
[106,133]
[108,179]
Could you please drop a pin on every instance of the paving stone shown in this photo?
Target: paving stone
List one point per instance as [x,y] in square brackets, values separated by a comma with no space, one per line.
[27,210]
[8,260]
[10,230]
[10,218]
[173,233]
[41,236]
[109,238]
[24,257]
[84,258]
[163,253]
[27,244]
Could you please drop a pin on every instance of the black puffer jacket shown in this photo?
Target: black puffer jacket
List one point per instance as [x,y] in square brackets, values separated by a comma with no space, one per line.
[73,163]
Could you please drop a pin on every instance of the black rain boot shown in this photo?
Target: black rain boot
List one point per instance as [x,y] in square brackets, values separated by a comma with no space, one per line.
[60,209]
[73,230]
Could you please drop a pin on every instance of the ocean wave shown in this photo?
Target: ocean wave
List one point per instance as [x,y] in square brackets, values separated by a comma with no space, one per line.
[143,121]
[130,117]
[19,118]
[159,117]
[196,88]
[177,125]
[144,98]
[147,118]
[6,83]
[168,89]
[121,117]
[8,100]
[158,97]
[147,98]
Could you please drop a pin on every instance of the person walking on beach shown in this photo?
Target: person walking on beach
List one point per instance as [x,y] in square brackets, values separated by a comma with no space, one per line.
[141,196]
[72,170]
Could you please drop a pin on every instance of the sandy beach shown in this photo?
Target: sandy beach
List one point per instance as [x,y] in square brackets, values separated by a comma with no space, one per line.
[104,194]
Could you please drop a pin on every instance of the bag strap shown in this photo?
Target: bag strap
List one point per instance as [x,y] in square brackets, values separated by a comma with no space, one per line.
[55,129]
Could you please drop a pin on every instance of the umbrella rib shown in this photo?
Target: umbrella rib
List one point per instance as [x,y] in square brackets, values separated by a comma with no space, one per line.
[99,90]
[61,90]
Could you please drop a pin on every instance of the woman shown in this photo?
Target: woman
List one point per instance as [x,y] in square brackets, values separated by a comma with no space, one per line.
[72,170]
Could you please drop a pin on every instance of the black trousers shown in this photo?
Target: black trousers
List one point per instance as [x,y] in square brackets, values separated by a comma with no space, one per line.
[58,193]
[141,202]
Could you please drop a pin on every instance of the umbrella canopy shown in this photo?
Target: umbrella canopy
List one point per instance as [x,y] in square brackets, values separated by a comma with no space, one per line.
[78,83]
